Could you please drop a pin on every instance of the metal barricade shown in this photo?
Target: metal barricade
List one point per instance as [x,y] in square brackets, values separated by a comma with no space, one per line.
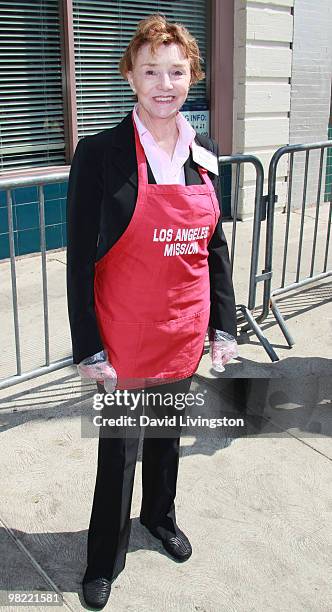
[44,178]
[8,184]
[264,209]
[269,292]
[246,311]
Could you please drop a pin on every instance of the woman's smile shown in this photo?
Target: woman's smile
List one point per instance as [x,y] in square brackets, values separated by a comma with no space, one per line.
[164,99]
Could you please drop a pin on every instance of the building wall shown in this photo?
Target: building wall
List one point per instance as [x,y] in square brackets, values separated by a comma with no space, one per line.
[311,88]
[263,33]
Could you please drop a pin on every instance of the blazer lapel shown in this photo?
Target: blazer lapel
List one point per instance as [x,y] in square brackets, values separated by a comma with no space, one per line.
[124,158]
[191,172]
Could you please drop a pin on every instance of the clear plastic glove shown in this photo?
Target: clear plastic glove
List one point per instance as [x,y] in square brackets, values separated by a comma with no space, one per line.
[223,347]
[99,368]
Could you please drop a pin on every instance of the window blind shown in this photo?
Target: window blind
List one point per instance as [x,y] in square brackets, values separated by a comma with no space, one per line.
[102,30]
[31,103]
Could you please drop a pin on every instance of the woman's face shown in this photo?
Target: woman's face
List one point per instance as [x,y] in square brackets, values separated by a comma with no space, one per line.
[162,80]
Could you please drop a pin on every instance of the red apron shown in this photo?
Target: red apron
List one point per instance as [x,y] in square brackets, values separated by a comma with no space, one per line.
[152,288]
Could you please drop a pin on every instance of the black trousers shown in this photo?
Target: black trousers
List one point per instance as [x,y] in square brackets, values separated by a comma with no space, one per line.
[110,523]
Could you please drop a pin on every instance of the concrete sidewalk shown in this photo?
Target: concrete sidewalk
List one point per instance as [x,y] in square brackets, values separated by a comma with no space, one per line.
[255,502]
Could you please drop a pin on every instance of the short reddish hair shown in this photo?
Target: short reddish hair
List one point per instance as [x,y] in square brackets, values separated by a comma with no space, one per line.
[156,30]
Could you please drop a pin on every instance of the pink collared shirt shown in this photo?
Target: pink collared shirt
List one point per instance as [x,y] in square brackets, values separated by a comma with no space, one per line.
[166,171]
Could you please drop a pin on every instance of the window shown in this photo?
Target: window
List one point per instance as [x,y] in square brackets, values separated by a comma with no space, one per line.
[31,99]
[32,130]
[102,30]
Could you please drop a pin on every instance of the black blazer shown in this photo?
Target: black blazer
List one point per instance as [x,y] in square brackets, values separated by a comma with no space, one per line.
[102,193]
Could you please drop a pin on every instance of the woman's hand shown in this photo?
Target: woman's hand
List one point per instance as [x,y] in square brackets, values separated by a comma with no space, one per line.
[223,347]
[97,367]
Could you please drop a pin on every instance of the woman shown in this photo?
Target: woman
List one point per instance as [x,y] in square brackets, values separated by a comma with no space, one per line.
[148,274]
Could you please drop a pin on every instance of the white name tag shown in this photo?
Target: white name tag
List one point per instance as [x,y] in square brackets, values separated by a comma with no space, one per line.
[205,158]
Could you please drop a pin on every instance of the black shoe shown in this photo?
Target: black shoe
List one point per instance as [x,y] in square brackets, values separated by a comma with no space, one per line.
[96,592]
[177,545]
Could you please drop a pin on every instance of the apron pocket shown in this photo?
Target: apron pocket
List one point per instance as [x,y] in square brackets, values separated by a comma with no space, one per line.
[165,347]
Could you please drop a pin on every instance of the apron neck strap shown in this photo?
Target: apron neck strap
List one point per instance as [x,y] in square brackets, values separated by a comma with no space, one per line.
[141,161]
